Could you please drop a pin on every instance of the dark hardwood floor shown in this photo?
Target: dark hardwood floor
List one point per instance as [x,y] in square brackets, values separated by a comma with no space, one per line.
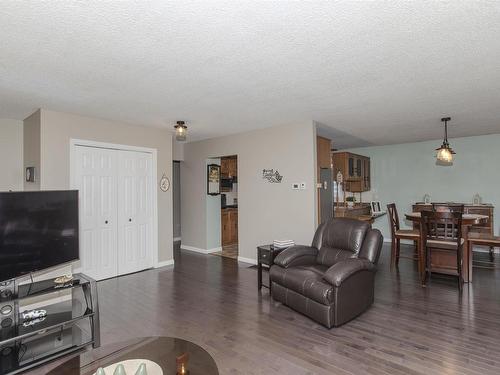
[213,301]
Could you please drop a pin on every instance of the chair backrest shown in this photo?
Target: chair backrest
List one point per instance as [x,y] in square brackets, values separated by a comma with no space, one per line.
[441,226]
[340,238]
[392,213]
[448,207]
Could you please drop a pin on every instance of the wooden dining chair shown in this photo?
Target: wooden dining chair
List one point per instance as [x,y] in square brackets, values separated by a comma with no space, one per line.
[484,239]
[399,234]
[442,232]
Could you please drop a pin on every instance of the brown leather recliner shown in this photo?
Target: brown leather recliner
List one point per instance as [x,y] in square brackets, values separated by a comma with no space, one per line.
[332,281]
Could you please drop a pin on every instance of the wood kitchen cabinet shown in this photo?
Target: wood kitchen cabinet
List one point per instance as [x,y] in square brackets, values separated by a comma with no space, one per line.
[229,226]
[228,167]
[323,152]
[355,169]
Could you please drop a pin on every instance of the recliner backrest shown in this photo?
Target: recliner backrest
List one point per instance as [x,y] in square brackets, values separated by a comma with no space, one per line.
[341,238]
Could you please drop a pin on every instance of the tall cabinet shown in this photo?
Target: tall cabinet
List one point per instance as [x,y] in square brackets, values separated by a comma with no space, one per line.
[116,210]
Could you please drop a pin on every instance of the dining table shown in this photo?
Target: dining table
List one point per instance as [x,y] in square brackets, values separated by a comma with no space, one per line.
[468,220]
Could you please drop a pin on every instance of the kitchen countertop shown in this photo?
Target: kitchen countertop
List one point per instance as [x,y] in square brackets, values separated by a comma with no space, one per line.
[229,206]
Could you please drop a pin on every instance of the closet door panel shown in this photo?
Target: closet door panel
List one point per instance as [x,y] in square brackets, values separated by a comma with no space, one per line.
[134,211]
[95,178]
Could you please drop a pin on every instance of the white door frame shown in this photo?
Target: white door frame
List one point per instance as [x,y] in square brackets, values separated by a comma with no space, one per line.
[73,143]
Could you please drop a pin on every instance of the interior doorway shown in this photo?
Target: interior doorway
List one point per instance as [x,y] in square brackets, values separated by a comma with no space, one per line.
[222,209]
[229,206]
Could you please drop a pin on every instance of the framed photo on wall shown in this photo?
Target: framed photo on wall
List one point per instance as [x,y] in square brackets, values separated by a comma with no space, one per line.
[213,179]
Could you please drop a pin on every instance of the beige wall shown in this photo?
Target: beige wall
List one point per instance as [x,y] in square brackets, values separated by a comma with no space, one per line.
[32,148]
[58,128]
[11,155]
[267,211]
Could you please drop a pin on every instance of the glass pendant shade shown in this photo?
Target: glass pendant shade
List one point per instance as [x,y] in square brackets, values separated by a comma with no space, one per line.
[445,152]
[180,131]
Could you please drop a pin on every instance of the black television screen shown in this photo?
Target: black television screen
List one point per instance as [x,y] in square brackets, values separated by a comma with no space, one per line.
[38,230]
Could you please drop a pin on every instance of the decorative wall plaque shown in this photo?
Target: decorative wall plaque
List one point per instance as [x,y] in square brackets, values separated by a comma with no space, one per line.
[164,183]
[272,175]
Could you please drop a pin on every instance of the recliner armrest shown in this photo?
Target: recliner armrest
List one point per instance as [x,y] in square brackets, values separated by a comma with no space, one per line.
[344,269]
[297,255]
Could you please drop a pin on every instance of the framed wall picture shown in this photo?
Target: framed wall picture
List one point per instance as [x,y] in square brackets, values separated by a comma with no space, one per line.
[213,179]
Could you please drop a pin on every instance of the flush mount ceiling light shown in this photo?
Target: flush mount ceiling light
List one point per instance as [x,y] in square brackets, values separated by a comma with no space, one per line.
[180,131]
[445,152]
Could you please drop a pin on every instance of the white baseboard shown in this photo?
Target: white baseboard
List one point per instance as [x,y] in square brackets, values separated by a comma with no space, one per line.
[165,263]
[201,251]
[214,250]
[192,248]
[177,239]
[247,260]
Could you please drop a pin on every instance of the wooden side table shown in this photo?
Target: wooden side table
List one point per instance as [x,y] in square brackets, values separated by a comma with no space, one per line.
[265,256]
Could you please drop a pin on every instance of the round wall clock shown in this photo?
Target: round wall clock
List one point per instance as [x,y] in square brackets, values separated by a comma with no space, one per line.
[164,183]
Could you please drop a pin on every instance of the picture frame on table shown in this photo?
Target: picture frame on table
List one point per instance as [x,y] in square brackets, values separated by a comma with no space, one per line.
[376,208]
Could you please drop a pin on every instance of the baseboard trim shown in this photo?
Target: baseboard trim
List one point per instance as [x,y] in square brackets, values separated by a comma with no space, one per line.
[214,250]
[247,260]
[165,263]
[177,239]
[192,248]
[201,251]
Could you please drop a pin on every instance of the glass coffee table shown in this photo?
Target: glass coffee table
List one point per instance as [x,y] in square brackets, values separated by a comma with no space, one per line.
[162,350]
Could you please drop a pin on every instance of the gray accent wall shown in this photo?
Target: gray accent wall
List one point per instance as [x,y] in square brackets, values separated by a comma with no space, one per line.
[266,211]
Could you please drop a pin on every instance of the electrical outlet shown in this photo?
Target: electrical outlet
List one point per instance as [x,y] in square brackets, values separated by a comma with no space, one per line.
[295,186]
[302,186]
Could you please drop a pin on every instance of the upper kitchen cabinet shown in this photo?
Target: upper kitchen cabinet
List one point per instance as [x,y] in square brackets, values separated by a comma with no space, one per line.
[228,167]
[355,169]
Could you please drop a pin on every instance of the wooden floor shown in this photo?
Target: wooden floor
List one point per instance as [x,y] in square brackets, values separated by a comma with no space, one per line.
[228,251]
[213,301]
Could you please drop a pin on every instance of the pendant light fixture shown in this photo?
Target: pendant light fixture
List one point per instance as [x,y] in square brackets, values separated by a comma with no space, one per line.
[180,131]
[445,152]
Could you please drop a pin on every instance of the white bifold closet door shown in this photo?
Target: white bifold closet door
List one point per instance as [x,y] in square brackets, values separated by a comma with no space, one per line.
[135,216]
[116,213]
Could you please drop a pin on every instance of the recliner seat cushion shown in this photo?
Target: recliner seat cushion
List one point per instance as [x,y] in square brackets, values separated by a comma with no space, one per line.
[306,280]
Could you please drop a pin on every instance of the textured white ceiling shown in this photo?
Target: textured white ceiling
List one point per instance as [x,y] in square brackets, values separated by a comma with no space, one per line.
[374,72]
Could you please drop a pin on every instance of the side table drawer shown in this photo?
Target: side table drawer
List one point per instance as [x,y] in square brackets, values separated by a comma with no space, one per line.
[265,257]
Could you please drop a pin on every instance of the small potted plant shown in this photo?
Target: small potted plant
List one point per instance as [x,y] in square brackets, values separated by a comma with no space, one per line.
[350,201]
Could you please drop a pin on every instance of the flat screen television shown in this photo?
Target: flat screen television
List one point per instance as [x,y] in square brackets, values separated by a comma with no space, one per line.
[38,230]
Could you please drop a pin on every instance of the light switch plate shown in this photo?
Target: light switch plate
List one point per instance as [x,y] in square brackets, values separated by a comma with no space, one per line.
[295,186]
